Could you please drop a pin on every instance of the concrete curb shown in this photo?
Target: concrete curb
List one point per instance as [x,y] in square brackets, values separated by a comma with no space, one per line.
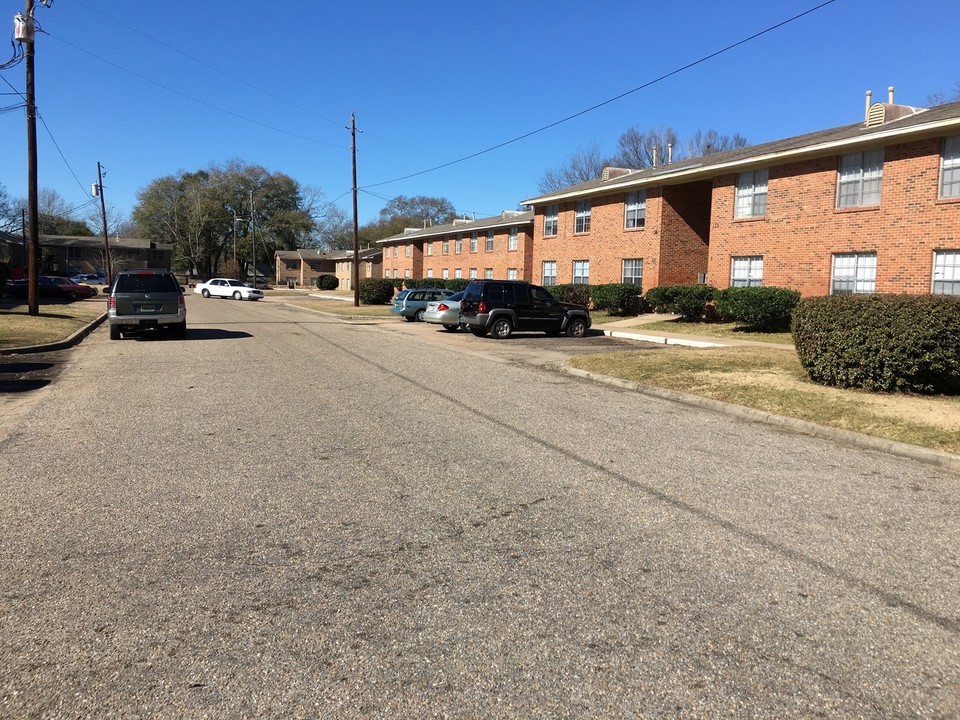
[946,461]
[60,345]
[661,339]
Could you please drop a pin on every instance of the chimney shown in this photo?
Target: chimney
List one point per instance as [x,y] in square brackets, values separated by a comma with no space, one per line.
[866,111]
[890,95]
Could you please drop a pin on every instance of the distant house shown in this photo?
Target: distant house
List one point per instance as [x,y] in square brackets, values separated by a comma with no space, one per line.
[371,266]
[495,247]
[868,207]
[303,266]
[70,255]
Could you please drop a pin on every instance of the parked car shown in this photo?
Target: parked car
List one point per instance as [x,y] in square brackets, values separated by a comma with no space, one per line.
[89,279]
[411,304]
[444,312]
[500,307]
[145,300]
[225,288]
[53,287]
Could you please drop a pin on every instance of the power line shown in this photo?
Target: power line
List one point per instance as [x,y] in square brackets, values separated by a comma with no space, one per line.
[622,95]
[196,100]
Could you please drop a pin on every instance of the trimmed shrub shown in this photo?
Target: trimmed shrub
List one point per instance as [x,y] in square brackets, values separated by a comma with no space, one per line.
[617,298]
[904,343]
[327,282]
[418,283]
[577,294]
[457,284]
[396,282]
[375,291]
[687,301]
[758,308]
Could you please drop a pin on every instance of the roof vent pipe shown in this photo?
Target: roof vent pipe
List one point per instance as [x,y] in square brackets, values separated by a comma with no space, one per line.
[654,155]
[866,110]
[669,153]
[890,94]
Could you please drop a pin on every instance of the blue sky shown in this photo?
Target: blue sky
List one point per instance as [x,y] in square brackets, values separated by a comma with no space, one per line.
[153,88]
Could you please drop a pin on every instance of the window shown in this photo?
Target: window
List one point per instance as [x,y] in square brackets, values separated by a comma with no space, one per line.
[512,238]
[551,220]
[860,179]
[488,273]
[950,168]
[489,244]
[946,272]
[853,273]
[581,272]
[407,250]
[458,245]
[430,273]
[752,194]
[473,242]
[473,273]
[746,271]
[511,273]
[549,272]
[458,272]
[635,209]
[406,273]
[292,264]
[74,253]
[632,271]
[396,250]
[395,274]
[430,248]
[445,274]
[581,215]
[445,249]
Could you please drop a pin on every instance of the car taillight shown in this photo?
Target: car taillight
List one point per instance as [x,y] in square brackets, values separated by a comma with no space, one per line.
[442,306]
[481,307]
[111,303]
[180,302]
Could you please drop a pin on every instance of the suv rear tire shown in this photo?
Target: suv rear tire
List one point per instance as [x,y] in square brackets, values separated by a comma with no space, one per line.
[501,328]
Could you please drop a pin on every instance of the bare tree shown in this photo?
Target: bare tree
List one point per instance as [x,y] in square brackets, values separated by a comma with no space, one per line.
[636,149]
[941,98]
[9,214]
[584,165]
[706,143]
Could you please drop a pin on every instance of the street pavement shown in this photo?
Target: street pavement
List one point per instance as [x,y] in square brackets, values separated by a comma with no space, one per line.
[287,515]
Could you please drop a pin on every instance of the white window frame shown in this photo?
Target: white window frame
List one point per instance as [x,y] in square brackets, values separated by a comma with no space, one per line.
[512,238]
[445,273]
[549,278]
[581,217]
[445,247]
[488,273]
[853,273]
[458,272]
[429,272]
[474,240]
[950,168]
[746,271]
[752,193]
[488,245]
[631,271]
[551,220]
[635,210]
[472,274]
[511,273]
[406,274]
[458,244]
[946,272]
[860,179]
[581,272]
[430,248]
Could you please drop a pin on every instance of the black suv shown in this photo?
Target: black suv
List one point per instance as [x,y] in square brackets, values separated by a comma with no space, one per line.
[499,307]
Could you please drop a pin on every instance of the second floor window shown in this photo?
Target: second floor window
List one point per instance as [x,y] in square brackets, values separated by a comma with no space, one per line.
[489,244]
[635,209]
[581,222]
[551,220]
[458,245]
[950,168]
[473,242]
[429,248]
[445,249]
[407,249]
[752,194]
[512,238]
[860,179]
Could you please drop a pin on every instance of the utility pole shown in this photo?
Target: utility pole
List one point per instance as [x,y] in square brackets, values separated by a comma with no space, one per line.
[103,216]
[356,227]
[253,238]
[33,247]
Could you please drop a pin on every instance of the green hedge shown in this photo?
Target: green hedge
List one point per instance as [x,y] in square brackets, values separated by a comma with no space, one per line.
[905,343]
[376,291]
[577,294]
[687,301]
[327,282]
[617,298]
[418,283]
[757,308]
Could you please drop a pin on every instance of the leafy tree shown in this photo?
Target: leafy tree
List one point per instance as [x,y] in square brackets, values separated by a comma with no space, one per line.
[403,212]
[583,165]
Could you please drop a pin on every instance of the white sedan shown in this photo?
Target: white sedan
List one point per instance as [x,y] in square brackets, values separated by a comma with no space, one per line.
[222,287]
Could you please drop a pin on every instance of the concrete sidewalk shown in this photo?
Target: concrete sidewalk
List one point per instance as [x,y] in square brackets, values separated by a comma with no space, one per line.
[632,329]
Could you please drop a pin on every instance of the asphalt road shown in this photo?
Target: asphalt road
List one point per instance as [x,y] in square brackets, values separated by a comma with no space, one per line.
[286,515]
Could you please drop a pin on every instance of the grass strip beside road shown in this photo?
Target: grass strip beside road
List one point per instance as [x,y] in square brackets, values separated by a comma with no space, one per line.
[772,380]
[340,307]
[56,322]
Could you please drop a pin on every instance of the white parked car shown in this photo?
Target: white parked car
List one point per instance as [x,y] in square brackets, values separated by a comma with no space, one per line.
[222,287]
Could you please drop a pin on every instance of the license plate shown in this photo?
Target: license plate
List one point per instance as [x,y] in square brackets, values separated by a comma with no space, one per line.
[148,308]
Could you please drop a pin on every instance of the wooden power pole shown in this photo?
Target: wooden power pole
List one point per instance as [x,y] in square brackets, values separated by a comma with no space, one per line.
[33,245]
[356,227]
[103,217]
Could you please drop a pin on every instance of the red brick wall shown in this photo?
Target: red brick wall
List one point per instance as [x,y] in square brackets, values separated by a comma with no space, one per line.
[803,227]
[684,227]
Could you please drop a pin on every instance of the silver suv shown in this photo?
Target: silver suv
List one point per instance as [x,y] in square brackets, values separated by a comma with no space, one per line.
[146,299]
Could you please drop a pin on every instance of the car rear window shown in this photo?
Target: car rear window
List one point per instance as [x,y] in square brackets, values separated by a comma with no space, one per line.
[146,284]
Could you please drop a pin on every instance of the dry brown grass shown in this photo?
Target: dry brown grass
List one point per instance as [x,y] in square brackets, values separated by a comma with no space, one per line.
[772,380]
[55,322]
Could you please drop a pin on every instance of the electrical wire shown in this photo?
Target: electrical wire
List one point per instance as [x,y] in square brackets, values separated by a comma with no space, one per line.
[208,65]
[197,100]
[622,95]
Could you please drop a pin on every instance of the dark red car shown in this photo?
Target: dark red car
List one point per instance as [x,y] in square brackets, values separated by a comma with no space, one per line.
[53,287]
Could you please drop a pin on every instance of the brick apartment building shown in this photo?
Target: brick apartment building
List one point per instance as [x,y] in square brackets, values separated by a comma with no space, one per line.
[868,207]
[495,247]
